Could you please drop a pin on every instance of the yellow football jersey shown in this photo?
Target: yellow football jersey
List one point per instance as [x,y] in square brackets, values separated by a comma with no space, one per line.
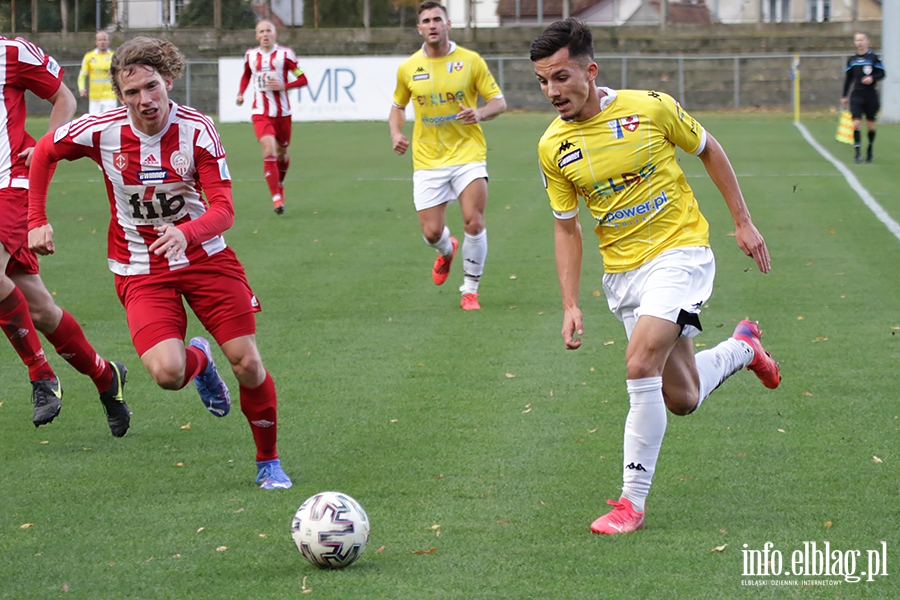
[622,162]
[437,87]
[95,69]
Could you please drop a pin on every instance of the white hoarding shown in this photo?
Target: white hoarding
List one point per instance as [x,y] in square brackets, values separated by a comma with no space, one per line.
[340,88]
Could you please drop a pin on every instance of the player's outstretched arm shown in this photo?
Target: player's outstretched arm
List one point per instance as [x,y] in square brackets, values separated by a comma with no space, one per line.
[748,238]
[568,249]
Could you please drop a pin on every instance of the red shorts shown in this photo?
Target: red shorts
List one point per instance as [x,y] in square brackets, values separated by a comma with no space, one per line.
[216,289]
[14,231]
[277,127]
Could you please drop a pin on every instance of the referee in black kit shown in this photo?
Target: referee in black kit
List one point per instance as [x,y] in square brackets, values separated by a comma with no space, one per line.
[864,70]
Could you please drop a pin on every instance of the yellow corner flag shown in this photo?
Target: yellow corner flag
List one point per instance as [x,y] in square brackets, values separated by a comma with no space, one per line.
[845,128]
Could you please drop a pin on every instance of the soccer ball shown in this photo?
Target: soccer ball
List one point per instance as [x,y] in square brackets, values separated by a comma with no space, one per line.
[331,530]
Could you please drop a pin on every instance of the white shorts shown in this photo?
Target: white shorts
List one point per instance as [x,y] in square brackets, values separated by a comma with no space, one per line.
[99,106]
[673,286]
[433,187]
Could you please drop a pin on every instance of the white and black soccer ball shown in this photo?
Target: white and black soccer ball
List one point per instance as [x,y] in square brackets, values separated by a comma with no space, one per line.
[331,530]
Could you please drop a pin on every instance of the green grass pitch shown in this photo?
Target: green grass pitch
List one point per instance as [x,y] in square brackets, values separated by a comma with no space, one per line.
[480,448]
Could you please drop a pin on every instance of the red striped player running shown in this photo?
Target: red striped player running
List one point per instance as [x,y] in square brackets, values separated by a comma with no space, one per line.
[267,66]
[165,241]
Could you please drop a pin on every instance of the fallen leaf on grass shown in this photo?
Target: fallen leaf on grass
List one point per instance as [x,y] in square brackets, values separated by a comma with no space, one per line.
[201,529]
[799,318]
[262,535]
[221,548]
[512,276]
[719,548]
[502,522]
[176,556]
[609,343]
[820,338]
[781,431]
[380,550]
[509,375]
[805,393]
[429,551]
[527,410]
[26,525]
[180,464]
[45,442]
[876,460]
[592,431]
[240,510]
[303,587]
[722,531]
[65,587]
[596,293]
[184,427]
[828,524]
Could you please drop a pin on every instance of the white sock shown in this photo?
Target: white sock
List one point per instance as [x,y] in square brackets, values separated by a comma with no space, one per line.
[474,252]
[644,431]
[444,246]
[718,364]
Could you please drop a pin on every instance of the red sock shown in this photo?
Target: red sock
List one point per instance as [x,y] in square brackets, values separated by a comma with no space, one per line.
[70,343]
[195,362]
[259,406]
[270,170]
[283,169]
[15,320]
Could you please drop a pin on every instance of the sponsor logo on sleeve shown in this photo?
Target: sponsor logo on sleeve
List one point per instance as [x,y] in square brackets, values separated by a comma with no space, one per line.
[53,67]
[61,132]
[223,169]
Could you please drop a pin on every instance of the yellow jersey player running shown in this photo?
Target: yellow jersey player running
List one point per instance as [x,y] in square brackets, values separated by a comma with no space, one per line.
[449,152]
[616,149]
[93,79]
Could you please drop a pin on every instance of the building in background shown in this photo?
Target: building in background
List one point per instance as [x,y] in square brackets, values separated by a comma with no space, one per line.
[649,12]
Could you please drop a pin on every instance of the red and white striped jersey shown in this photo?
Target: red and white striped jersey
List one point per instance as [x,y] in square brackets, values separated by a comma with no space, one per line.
[23,66]
[150,180]
[258,65]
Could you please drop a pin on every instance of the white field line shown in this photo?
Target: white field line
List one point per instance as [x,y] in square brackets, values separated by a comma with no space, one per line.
[854,183]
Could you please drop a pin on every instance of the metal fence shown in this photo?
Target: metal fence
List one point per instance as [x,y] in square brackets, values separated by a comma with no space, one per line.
[730,82]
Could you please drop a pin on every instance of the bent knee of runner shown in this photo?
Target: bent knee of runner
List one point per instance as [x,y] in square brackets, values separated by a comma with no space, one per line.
[681,404]
[167,375]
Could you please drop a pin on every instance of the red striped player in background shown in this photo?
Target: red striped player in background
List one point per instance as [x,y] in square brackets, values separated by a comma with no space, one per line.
[165,240]
[267,66]
[26,306]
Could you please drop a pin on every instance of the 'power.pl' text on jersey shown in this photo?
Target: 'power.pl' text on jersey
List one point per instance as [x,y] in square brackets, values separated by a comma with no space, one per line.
[437,88]
[622,162]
